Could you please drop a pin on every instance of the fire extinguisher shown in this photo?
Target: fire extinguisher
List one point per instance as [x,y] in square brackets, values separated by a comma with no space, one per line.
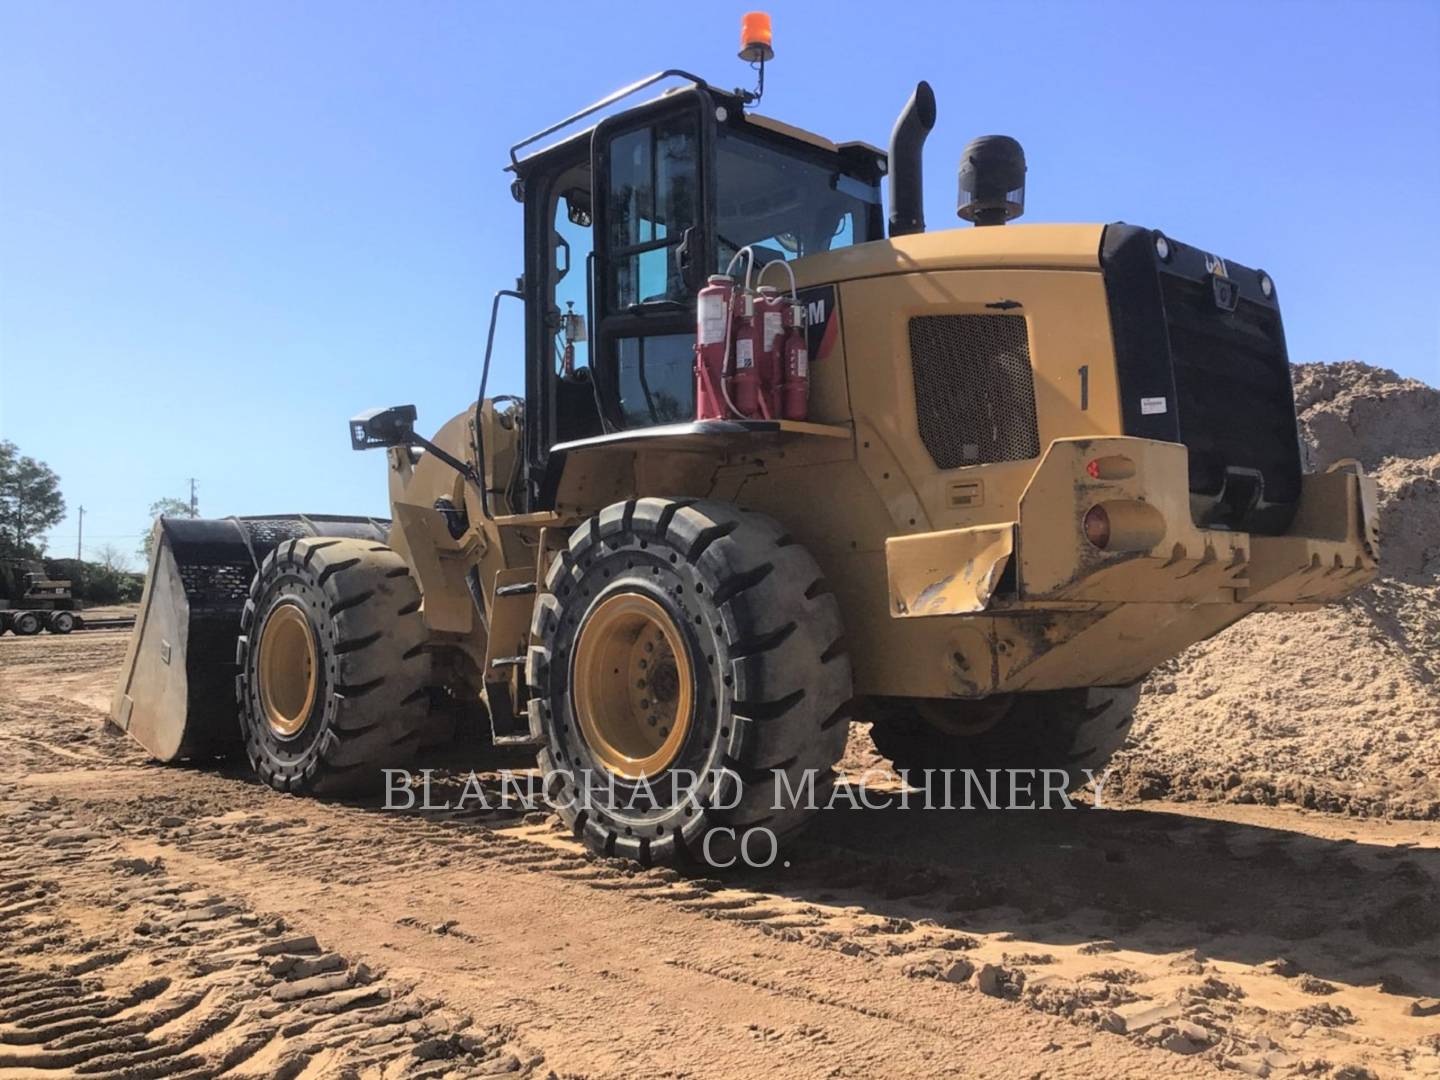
[712,334]
[746,329]
[773,315]
[796,404]
[717,316]
[750,358]
[792,359]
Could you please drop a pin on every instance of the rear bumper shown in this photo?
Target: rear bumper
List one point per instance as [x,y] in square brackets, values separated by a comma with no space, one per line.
[1032,605]
[1156,555]
[1330,549]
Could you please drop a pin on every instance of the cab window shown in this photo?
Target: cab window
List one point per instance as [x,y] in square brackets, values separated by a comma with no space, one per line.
[784,205]
[657,379]
[571,245]
[653,198]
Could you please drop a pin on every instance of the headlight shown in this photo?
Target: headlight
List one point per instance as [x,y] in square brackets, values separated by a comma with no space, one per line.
[1162,247]
[1266,285]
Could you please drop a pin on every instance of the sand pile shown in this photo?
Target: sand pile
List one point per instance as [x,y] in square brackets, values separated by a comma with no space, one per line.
[1337,709]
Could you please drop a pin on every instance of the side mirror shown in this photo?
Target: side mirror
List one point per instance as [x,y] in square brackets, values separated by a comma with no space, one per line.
[394,426]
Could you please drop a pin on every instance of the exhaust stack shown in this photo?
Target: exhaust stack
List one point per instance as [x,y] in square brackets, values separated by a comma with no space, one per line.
[907,143]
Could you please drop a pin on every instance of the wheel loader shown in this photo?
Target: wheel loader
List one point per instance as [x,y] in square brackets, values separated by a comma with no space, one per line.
[1000,473]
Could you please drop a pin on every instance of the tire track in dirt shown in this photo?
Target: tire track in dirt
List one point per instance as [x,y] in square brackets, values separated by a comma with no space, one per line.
[241,995]
[878,910]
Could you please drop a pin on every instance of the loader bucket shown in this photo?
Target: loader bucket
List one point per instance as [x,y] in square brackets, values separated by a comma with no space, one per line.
[176,695]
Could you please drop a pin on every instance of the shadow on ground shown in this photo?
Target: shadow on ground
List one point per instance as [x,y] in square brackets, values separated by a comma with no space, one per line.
[1151,881]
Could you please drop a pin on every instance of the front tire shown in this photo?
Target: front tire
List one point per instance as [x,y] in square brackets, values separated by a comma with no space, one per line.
[333,682]
[680,640]
[1073,730]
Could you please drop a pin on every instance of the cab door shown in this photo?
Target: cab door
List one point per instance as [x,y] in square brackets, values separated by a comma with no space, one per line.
[653,178]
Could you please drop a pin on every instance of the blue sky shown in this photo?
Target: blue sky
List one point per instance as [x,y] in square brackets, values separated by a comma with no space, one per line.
[227,227]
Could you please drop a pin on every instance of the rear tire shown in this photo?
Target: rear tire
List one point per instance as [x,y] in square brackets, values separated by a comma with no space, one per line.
[26,623]
[1074,730]
[61,622]
[333,682]
[750,635]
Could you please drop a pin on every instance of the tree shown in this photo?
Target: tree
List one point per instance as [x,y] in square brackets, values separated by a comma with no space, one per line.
[163,508]
[113,559]
[30,502]
[112,582]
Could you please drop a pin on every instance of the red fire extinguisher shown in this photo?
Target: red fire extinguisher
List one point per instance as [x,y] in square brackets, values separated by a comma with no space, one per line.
[745,332]
[773,314]
[712,333]
[745,358]
[796,405]
[791,384]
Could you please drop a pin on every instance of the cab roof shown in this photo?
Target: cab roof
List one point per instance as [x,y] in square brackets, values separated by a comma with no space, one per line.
[734,104]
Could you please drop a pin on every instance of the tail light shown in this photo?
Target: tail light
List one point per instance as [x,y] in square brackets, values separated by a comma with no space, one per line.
[1123,525]
[1097,527]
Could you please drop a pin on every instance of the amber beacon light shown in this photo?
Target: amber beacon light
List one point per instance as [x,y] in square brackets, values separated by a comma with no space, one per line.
[756,44]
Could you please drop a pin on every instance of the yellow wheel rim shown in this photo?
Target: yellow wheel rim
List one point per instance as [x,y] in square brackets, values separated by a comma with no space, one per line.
[288,669]
[633,688]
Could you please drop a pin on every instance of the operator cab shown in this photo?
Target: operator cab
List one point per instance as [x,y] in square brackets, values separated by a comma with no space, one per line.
[626,221]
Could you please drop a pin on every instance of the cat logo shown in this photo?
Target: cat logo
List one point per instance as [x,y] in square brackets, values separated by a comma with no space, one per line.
[821,325]
[1216,265]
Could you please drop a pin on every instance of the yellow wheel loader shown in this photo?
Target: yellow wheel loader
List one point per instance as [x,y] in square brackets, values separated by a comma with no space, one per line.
[970,486]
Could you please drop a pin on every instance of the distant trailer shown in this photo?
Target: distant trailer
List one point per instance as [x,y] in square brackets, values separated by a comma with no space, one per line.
[25,623]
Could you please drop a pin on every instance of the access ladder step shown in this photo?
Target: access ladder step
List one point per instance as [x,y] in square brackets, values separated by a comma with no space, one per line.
[519,588]
[508,661]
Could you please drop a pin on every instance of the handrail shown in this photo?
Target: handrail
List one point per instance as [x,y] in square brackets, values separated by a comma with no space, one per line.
[480,398]
[625,91]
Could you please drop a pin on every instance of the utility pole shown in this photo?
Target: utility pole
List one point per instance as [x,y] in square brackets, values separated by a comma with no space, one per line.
[194,507]
[80,535]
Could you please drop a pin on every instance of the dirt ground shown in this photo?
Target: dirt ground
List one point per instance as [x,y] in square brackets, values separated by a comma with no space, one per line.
[159,921]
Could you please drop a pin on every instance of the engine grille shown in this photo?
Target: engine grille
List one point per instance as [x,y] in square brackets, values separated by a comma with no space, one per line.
[974,388]
[1232,380]
[1200,359]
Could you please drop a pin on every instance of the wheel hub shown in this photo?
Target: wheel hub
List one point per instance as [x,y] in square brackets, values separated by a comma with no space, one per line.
[287,669]
[633,688]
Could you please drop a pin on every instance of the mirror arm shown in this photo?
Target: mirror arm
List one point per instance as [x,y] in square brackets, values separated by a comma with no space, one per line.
[464,469]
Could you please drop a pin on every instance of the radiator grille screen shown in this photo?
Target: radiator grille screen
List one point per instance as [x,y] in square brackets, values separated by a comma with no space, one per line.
[974,389]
